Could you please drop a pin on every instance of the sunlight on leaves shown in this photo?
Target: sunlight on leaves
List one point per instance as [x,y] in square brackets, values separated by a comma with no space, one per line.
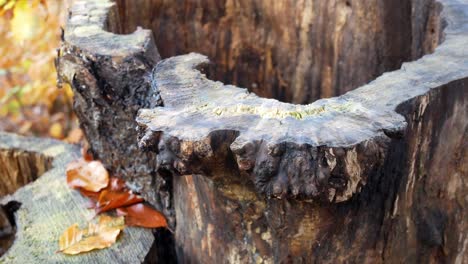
[29,98]
[25,20]
[91,176]
[97,236]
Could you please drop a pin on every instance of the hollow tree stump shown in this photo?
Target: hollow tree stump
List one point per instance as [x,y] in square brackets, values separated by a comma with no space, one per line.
[374,175]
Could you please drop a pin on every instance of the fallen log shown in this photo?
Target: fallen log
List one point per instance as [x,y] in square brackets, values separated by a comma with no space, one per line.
[47,207]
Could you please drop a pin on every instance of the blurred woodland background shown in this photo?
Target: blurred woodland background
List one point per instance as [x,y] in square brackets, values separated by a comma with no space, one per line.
[30,102]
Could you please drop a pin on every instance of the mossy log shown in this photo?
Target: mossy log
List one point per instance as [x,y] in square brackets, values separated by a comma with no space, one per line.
[48,207]
[374,175]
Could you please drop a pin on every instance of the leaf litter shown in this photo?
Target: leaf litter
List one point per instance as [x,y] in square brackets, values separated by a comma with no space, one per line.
[106,193]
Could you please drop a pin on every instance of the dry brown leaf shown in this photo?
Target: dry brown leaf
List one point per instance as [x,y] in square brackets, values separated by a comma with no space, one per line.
[109,200]
[90,176]
[96,236]
[142,215]
[115,184]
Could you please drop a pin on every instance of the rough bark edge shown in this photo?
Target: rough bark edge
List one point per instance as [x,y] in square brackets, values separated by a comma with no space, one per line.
[110,77]
[49,206]
[321,150]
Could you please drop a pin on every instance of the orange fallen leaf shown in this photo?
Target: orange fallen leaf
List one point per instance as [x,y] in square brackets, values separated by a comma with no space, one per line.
[90,176]
[97,236]
[109,200]
[115,184]
[142,215]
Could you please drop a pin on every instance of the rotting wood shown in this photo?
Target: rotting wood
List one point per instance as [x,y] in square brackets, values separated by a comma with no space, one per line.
[290,50]
[19,168]
[359,177]
[49,206]
[406,204]
[110,77]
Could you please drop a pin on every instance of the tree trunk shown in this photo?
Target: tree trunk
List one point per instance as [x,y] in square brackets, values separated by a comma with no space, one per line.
[376,175]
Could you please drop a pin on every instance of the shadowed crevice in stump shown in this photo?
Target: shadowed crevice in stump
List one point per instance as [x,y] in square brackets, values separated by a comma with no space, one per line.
[7,225]
[19,167]
[293,51]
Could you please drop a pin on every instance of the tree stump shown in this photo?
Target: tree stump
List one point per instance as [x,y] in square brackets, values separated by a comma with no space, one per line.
[270,174]
[33,171]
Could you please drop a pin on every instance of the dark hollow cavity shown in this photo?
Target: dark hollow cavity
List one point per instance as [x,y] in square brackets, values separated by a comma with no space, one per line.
[294,51]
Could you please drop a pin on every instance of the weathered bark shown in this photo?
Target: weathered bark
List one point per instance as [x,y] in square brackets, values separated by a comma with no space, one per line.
[375,175]
[321,151]
[110,77]
[411,210]
[344,168]
[49,207]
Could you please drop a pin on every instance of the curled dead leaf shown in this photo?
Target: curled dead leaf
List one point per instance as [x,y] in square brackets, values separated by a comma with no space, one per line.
[142,215]
[115,184]
[90,176]
[97,236]
[109,200]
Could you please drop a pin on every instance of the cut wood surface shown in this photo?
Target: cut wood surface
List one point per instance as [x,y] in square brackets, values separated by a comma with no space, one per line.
[49,207]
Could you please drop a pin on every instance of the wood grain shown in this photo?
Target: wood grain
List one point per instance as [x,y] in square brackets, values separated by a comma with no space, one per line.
[49,206]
